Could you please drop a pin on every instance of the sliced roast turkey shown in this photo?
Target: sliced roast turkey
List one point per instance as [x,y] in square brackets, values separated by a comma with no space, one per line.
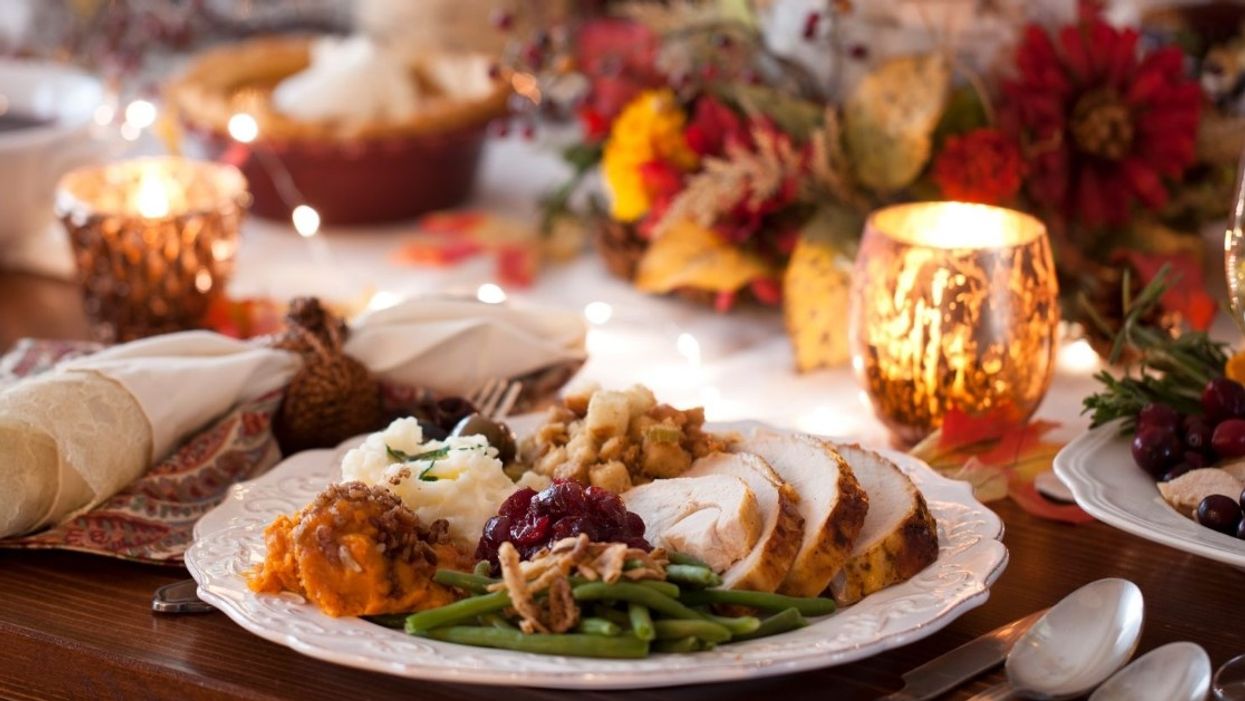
[713,517]
[831,502]
[899,537]
[766,566]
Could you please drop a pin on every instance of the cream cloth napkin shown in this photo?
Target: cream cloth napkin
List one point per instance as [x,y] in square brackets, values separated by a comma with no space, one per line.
[73,437]
[454,346]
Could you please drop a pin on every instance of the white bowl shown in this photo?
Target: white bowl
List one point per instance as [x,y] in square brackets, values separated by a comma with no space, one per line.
[33,159]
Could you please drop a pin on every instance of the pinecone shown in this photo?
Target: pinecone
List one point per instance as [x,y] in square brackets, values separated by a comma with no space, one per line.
[619,246]
[1106,298]
[307,315]
[333,397]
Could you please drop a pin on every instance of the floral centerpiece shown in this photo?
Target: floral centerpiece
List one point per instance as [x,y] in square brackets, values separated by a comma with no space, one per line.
[730,173]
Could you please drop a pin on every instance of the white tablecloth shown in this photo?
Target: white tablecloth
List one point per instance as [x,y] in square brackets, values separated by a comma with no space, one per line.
[737,365]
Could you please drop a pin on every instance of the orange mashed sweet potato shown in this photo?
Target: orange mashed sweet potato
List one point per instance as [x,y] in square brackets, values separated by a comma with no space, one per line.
[357,551]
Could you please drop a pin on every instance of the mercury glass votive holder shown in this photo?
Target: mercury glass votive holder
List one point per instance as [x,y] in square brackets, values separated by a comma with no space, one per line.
[154,241]
[954,306]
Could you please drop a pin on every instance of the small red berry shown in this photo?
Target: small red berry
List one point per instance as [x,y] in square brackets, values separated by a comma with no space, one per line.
[811,23]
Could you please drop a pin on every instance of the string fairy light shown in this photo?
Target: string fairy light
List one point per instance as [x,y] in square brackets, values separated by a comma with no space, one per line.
[490,293]
[306,220]
[598,313]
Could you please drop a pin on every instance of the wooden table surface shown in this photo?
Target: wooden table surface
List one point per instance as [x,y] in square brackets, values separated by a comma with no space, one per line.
[76,626]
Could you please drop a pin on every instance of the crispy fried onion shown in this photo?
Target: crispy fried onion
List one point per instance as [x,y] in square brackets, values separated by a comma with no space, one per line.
[550,570]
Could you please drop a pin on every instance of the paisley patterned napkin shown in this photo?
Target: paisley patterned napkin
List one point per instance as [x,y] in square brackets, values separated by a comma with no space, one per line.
[151,520]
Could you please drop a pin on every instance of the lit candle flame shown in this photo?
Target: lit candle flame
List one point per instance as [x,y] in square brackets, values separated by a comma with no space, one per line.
[151,199]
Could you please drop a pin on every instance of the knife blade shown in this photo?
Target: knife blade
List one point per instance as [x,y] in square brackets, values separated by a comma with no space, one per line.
[953,668]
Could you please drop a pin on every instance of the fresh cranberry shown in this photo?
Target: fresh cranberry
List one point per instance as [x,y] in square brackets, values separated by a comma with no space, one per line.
[1223,399]
[606,506]
[563,497]
[516,505]
[1159,415]
[532,530]
[497,529]
[635,524]
[1197,433]
[1228,440]
[1155,449]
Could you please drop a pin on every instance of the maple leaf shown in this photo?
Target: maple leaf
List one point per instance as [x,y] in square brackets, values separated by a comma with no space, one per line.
[1025,494]
[999,453]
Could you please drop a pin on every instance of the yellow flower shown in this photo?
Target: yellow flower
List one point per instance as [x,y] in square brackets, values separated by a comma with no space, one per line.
[650,128]
[1235,369]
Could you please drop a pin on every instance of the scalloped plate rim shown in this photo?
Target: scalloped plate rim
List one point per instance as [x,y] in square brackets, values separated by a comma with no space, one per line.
[579,673]
[1126,509]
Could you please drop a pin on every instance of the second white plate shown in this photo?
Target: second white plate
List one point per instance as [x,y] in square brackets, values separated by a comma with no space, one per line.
[1098,467]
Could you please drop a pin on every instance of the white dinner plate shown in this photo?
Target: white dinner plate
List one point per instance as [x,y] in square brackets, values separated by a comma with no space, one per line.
[229,542]
[1098,467]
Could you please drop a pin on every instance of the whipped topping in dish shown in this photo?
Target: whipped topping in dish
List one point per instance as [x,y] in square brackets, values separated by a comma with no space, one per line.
[352,80]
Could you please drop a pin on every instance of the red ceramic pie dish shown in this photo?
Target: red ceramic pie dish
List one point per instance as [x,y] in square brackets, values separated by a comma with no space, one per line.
[371,173]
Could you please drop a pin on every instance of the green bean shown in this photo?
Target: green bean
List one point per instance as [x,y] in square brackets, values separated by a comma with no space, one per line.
[742,625]
[634,593]
[569,644]
[684,559]
[667,588]
[641,621]
[787,619]
[707,631]
[388,620]
[610,613]
[599,626]
[483,568]
[497,621]
[633,564]
[688,644]
[458,611]
[693,576]
[808,606]
[463,580]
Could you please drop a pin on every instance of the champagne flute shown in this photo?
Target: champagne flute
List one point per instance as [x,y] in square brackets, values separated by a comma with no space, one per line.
[1234,248]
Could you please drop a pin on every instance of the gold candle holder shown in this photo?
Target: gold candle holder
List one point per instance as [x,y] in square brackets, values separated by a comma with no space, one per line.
[954,305]
[154,240]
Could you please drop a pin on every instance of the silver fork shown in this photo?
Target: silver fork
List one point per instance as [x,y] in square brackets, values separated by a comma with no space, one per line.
[494,400]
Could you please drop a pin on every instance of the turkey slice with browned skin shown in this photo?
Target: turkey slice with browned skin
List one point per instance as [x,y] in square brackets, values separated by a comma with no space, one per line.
[831,502]
[766,566]
[899,537]
[714,518]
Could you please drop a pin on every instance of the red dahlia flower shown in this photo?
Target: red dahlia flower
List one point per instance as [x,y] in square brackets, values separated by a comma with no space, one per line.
[1102,127]
[713,126]
[983,166]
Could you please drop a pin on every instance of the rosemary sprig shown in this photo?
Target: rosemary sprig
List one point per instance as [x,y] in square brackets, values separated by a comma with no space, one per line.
[1170,369]
[399,456]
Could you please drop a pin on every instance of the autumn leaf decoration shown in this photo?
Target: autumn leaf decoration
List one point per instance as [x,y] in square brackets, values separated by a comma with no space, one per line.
[999,454]
[748,176]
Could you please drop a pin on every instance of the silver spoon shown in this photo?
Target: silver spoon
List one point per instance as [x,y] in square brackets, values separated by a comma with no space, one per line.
[1080,642]
[1174,672]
